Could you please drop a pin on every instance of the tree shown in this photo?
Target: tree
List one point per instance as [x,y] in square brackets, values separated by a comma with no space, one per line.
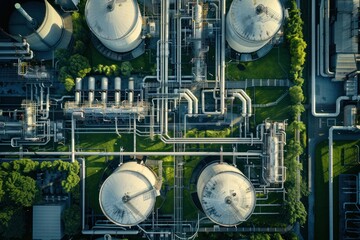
[296,94]
[62,55]
[2,192]
[6,214]
[79,47]
[260,236]
[296,110]
[15,227]
[70,182]
[297,52]
[69,84]
[297,125]
[25,165]
[79,66]
[277,236]
[126,68]
[72,220]
[20,190]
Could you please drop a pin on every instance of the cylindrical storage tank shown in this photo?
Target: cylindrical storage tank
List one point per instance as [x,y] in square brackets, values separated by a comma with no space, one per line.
[117,90]
[104,83]
[91,83]
[127,197]
[77,97]
[226,195]
[30,119]
[131,84]
[46,30]
[117,84]
[250,25]
[117,25]
[78,82]
[104,88]
[131,90]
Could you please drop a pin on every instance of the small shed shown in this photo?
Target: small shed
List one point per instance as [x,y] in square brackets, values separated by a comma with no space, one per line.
[47,224]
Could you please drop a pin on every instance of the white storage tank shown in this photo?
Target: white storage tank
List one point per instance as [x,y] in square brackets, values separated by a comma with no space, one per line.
[38,22]
[226,195]
[117,24]
[250,25]
[127,197]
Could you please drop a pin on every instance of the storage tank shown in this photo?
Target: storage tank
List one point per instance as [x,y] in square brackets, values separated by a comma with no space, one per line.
[117,24]
[252,24]
[117,90]
[104,89]
[91,85]
[226,195]
[38,22]
[127,197]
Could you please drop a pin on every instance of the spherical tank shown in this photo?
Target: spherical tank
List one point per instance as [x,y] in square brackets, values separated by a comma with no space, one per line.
[46,30]
[252,24]
[226,195]
[127,197]
[117,24]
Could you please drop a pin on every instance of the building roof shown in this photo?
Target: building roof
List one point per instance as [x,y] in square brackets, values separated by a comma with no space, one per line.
[47,222]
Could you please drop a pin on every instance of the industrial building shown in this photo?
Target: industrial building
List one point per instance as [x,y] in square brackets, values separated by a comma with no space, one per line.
[188,91]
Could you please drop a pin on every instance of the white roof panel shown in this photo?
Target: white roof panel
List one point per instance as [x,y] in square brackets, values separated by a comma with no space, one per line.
[256,20]
[111,24]
[127,197]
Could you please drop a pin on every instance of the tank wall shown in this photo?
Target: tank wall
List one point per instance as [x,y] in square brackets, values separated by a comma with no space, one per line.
[50,30]
[139,168]
[117,83]
[238,43]
[126,43]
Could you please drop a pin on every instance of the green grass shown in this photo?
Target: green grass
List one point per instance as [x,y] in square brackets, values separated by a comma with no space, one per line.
[322,179]
[144,63]
[263,95]
[281,111]
[274,65]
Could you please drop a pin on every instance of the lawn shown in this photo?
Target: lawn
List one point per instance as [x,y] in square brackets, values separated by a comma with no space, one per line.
[275,65]
[343,153]
[144,63]
[280,112]
[263,95]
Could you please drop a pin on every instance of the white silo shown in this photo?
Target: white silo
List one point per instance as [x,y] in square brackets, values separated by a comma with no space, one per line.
[127,196]
[39,23]
[226,195]
[252,24]
[117,24]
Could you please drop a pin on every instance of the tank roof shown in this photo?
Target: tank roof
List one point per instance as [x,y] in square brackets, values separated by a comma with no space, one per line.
[111,23]
[127,197]
[227,197]
[256,20]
